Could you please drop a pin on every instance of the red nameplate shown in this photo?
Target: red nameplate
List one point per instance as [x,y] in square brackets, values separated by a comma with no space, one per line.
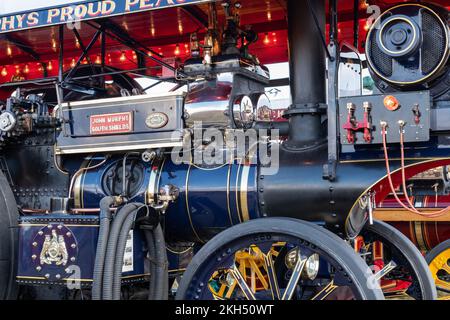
[111,123]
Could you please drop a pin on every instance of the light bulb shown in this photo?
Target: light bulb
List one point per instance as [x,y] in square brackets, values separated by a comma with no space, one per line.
[122,57]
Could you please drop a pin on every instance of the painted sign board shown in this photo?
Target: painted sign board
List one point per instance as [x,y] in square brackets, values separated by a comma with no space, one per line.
[87,10]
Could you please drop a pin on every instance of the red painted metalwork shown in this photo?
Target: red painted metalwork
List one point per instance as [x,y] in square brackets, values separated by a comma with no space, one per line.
[164,30]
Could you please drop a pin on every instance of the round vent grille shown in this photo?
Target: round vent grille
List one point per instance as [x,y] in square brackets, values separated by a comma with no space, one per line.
[408,45]
[434,41]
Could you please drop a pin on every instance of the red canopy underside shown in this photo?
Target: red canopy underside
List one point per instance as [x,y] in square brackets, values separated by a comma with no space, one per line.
[167,32]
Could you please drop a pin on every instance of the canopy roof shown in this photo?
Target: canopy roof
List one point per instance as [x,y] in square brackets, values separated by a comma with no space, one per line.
[162,25]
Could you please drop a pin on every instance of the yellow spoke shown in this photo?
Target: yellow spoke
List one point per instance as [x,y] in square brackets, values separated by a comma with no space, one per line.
[259,274]
[222,290]
[446,267]
[242,284]
[442,284]
[326,291]
[253,278]
[230,290]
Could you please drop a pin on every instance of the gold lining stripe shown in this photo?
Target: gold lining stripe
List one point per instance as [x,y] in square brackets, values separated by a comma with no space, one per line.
[177,270]
[187,204]
[237,191]
[419,236]
[160,174]
[136,276]
[228,192]
[83,181]
[79,182]
[66,225]
[31,278]
[81,280]
[390,159]
[425,235]
[178,252]
[55,162]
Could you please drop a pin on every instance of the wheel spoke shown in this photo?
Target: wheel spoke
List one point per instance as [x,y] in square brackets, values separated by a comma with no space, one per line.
[259,274]
[386,269]
[242,284]
[326,291]
[231,290]
[444,285]
[296,273]
[446,267]
[275,290]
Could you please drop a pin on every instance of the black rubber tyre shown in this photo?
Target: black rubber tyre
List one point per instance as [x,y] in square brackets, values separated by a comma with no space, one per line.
[8,240]
[433,253]
[410,253]
[323,239]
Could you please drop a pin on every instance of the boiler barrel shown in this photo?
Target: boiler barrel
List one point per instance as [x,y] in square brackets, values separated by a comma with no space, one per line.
[210,199]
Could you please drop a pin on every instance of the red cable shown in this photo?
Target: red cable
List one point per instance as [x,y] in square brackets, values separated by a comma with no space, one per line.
[405,189]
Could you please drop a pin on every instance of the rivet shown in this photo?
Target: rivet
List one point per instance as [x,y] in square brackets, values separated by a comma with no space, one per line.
[35,244]
[33,257]
[73,245]
[72,259]
[38,268]
[47,275]
[58,276]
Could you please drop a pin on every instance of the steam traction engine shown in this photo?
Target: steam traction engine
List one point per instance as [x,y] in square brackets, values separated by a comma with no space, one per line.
[104,197]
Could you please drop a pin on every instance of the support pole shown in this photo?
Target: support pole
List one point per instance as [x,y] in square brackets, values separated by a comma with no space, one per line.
[59,90]
[307,73]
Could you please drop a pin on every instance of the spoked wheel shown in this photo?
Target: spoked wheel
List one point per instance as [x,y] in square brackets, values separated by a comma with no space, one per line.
[277,258]
[398,265]
[8,240]
[438,260]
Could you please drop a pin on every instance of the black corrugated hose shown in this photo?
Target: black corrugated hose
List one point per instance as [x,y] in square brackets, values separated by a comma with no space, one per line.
[105,220]
[120,251]
[108,271]
[159,279]
[159,287]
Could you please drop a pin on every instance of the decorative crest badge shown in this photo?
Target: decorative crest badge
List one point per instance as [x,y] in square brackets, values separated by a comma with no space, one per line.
[54,250]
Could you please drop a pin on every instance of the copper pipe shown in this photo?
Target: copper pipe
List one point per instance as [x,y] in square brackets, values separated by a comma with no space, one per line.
[391,184]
